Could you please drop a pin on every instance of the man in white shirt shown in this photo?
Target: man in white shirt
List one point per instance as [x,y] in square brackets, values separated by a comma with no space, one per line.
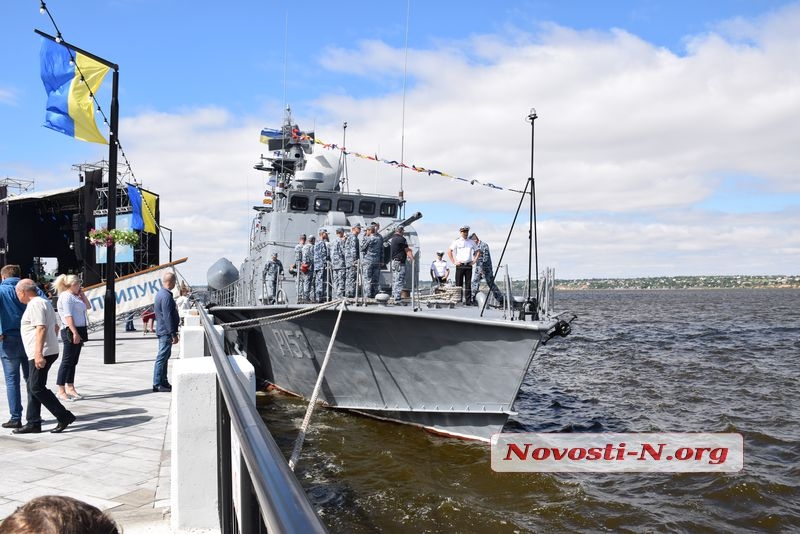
[440,272]
[39,331]
[463,252]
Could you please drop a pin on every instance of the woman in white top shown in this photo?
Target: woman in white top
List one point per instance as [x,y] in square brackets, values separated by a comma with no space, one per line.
[72,306]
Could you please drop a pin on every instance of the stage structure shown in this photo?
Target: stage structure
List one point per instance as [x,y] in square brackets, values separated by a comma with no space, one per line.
[55,224]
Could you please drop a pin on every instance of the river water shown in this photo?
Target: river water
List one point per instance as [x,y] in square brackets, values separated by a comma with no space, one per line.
[637,361]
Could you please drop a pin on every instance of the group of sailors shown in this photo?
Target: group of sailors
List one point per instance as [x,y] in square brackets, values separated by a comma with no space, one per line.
[347,254]
[351,254]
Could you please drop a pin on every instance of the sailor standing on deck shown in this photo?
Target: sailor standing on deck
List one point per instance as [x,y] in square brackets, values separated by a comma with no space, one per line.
[463,252]
[321,260]
[296,268]
[352,251]
[308,265]
[440,272]
[483,269]
[399,252]
[272,269]
[338,264]
[371,246]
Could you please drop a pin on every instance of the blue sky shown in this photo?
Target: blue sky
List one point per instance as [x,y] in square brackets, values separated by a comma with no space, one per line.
[665,144]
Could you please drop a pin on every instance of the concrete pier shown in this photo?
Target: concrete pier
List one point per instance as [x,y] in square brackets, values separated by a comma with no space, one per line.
[116,455]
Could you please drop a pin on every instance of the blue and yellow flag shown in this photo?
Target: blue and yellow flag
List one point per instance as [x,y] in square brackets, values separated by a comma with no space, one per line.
[70,108]
[143,208]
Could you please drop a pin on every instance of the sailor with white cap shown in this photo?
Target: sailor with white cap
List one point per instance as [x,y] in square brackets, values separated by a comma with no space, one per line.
[463,252]
[440,272]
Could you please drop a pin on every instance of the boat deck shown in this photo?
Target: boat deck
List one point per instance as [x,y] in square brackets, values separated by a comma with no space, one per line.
[115,456]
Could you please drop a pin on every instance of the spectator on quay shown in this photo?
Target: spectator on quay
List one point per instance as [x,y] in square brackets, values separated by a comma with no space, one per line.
[72,306]
[39,331]
[12,351]
[167,322]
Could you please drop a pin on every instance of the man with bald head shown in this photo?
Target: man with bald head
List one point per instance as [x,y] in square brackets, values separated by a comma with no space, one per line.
[167,322]
[39,331]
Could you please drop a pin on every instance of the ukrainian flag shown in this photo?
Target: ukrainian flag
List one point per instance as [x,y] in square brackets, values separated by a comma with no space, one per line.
[143,208]
[70,107]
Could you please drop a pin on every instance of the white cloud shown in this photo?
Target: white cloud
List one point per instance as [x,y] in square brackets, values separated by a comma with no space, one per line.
[630,139]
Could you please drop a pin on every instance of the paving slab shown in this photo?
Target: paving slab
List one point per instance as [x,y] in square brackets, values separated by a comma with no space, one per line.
[115,456]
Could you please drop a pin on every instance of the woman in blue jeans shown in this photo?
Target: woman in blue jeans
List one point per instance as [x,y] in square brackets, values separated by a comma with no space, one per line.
[72,306]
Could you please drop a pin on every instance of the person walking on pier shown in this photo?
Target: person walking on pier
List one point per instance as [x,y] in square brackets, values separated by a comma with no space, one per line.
[167,322]
[483,269]
[12,351]
[72,306]
[352,253]
[463,253]
[39,331]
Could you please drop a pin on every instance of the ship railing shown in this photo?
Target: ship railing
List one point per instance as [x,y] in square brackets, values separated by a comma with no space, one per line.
[272,499]
[226,296]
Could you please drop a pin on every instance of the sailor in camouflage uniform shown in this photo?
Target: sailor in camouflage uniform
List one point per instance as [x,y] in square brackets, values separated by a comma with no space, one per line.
[321,257]
[307,278]
[371,251]
[351,259]
[272,270]
[338,264]
[295,269]
[483,268]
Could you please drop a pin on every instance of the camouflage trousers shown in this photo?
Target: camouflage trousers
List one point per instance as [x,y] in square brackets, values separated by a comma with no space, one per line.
[371,272]
[398,279]
[350,277]
[271,285]
[320,281]
[338,283]
[485,272]
[304,285]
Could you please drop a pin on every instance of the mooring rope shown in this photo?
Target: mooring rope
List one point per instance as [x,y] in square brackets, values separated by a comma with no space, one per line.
[298,444]
[286,316]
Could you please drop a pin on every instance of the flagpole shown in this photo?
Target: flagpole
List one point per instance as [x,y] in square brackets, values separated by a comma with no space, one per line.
[110,301]
[110,318]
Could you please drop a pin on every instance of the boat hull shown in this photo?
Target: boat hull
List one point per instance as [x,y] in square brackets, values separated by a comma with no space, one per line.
[447,373]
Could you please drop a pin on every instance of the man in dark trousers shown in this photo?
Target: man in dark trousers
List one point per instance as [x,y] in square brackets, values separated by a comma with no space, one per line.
[399,252]
[38,328]
[167,322]
[12,351]
[464,253]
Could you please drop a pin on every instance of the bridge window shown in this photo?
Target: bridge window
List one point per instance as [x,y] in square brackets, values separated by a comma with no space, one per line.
[366,207]
[299,203]
[345,204]
[322,204]
[388,209]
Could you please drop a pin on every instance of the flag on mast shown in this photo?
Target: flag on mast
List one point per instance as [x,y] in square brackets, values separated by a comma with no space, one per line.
[70,79]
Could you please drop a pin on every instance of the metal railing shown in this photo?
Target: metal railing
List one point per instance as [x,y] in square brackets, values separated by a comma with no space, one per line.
[272,499]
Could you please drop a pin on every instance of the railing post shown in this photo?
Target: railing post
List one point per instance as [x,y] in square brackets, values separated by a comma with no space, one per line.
[251,520]
[225,488]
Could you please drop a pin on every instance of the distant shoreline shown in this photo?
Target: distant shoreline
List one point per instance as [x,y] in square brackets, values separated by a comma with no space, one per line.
[681,282]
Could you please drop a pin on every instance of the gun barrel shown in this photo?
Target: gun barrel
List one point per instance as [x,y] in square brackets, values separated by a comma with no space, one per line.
[389,229]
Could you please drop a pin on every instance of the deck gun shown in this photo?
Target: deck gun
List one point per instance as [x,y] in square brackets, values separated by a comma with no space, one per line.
[389,229]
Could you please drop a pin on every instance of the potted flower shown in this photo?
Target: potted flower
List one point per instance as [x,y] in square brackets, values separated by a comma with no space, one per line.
[103,237]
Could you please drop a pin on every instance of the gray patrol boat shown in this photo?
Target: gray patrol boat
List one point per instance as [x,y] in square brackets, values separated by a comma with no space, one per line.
[432,362]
